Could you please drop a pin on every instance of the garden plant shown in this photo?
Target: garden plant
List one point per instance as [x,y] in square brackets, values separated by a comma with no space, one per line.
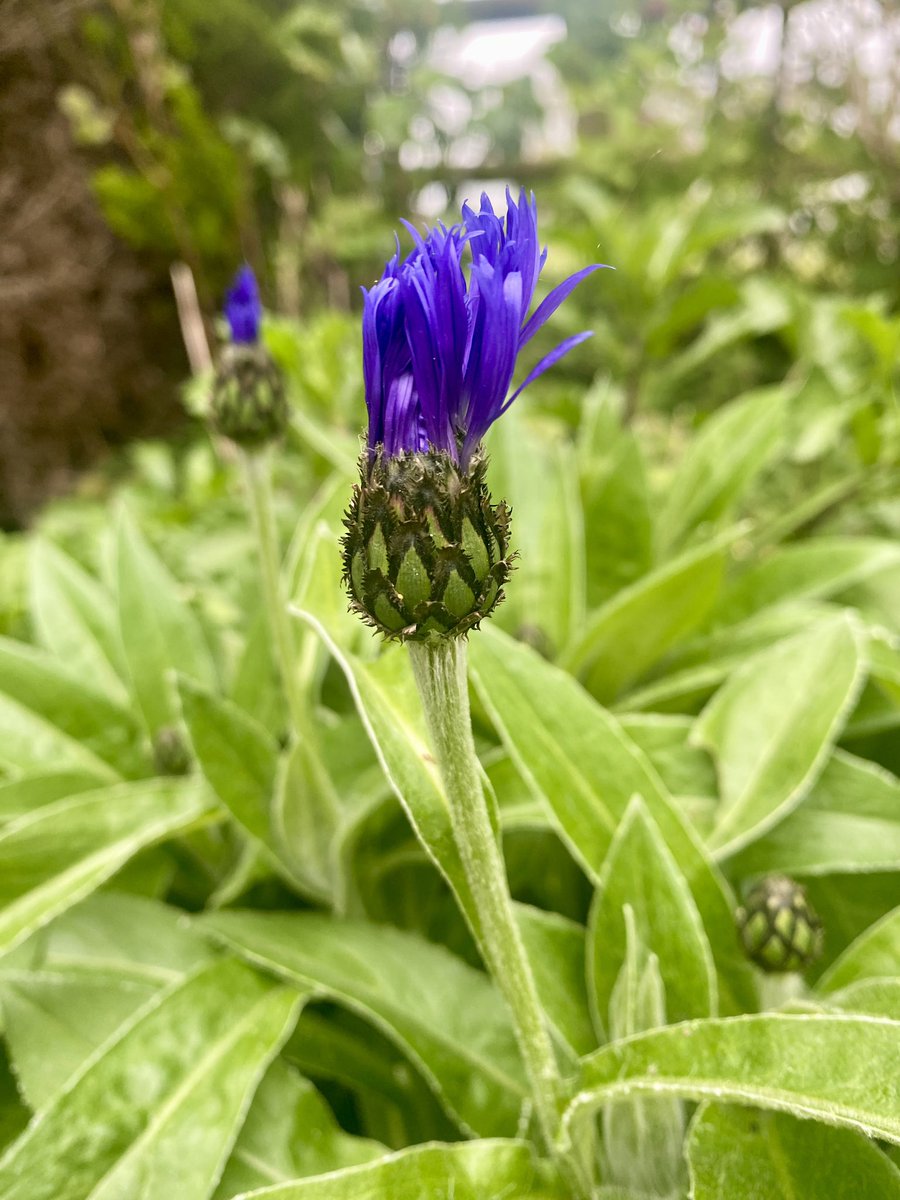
[570,870]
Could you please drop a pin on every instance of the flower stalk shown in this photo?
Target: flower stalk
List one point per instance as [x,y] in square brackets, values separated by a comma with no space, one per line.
[439,666]
[257,470]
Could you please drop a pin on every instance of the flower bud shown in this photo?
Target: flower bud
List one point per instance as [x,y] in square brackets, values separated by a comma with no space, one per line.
[170,752]
[779,928]
[248,403]
[426,552]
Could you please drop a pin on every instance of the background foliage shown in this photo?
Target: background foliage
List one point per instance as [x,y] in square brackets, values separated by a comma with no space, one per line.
[256,971]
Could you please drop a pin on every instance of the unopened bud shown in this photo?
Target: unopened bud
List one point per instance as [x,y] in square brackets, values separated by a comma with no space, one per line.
[248,403]
[426,552]
[779,928]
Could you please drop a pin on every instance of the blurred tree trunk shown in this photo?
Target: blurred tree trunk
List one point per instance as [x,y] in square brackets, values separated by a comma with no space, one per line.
[89,341]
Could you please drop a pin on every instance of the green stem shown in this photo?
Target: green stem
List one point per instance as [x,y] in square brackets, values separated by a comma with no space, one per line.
[439,667]
[258,476]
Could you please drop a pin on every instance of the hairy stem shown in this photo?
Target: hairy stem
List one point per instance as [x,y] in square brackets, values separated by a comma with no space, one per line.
[257,473]
[440,671]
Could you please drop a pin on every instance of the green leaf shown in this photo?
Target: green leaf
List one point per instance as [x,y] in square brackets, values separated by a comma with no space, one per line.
[290,1132]
[75,617]
[156,1114]
[739,1154]
[556,949]
[240,760]
[306,819]
[444,1014]
[581,766]
[54,1020]
[640,871]
[686,770]
[160,633]
[850,821]
[105,727]
[617,508]
[772,725]
[30,744]
[843,1070]
[816,569]
[385,696]
[30,792]
[875,953]
[538,478]
[729,450]
[461,1171]
[67,992]
[635,628]
[53,858]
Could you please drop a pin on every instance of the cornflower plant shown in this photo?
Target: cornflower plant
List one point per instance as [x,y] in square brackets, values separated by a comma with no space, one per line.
[426,551]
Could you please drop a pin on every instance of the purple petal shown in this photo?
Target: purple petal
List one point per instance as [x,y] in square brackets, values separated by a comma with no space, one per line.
[549,360]
[551,303]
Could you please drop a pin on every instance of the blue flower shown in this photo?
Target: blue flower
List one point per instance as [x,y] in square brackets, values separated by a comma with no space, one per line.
[440,344]
[243,308]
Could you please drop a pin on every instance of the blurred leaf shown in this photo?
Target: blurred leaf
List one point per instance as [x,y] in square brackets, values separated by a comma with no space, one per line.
[556,949]
[876,952]
[838,1069]
[636,627]
[849,821]
[57,695]
[445,1015]
[739,1154]
[289,1132]
[465,1171]
[75,618]
[729,450]
[640,871]
[771,726]
[160,634]
[156,1113]
[53,858]
[582,767]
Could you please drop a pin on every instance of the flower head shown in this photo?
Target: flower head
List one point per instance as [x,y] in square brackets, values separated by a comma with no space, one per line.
[440,343]
[243,308]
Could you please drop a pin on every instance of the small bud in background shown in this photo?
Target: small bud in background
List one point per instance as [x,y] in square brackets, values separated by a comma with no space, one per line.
[779,928]
[426,552]
[171,755]
[248,403]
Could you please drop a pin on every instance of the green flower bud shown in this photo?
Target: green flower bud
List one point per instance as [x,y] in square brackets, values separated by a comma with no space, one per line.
[248,403]
[171,755]
[426,553]
[779,928]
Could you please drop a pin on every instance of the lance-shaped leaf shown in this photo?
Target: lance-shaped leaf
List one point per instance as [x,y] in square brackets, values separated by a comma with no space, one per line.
[640,871]
[464,1171]
[74,616]
[849,822]
[385,696]
[444,1014]
[55,857]
[242,765]
[67,993]
[578,762]
[637,626]
[721,460]
[771,727]
[739,1154]
[289,1133]
[72,704]
[160,634]
[844,1070]
[157,1112]
[874,953]
[556,949]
